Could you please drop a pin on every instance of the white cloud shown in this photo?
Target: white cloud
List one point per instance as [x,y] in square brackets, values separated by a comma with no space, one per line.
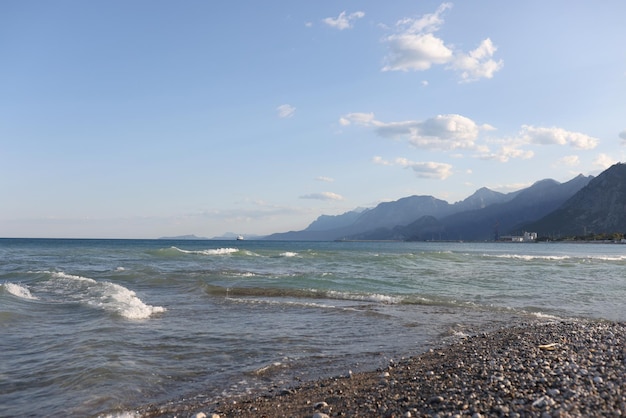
[415,48]
[343,21]
[429,22]
[604,161]
[456,132]
[357,118]
[442,132]
[478,63]
[325,179]
[285,111]
[557,136]
[322,196]
[427,170]
[379,160]
[569,160]
[508,150]
[446,132]
[416,52]
[623,136]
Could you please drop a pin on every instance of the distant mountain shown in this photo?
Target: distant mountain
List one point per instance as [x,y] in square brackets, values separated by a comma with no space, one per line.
[599,207]
[385,215]
[482,198]
[184,237]
[328,222]
[402,212]
[482,216]
[508,217]
[486,223]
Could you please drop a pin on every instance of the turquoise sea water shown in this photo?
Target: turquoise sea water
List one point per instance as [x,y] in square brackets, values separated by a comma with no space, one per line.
[102,327]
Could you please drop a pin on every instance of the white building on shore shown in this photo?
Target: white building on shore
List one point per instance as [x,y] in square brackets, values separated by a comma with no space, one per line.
[527,237]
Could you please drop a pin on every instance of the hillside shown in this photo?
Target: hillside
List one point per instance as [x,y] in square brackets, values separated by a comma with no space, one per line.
[486,223]
[600,207]
[509,217]
[481,216]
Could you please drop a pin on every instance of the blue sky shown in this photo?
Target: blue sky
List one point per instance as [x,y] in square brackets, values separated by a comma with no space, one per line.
[148,118]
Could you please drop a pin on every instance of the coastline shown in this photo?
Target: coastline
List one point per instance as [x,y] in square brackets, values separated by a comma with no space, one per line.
[552,369]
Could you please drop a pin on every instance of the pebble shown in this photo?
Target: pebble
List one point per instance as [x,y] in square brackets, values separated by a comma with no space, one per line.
[501,373]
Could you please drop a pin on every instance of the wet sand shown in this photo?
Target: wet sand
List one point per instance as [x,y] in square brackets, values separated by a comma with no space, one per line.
[555,369]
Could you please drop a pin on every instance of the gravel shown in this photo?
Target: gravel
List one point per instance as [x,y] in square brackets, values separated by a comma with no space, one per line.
[555,369]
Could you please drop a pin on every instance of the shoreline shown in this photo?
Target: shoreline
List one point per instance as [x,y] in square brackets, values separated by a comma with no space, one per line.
[551,369]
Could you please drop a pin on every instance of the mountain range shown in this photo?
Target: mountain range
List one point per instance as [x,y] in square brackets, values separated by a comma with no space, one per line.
[599,208]
[582,205]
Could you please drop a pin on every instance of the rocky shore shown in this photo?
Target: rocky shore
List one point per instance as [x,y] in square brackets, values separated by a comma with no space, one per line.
[556,369]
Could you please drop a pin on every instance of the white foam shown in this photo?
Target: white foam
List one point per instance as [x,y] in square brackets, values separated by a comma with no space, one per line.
[252,301]
[246,274]
[368,297]
[533,257]
[20,291]
[560,257]
[609,258]
[289,254]
[105,295]
[211,251]
[542,315]
[125,414]
[125,302]
[460,334]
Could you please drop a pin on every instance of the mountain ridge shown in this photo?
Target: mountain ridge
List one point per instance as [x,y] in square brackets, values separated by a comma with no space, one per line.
[484,215]
[597,208]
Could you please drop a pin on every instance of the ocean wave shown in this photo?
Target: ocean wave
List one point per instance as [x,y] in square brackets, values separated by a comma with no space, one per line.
[580,259]
[609,258]
[527,257]
[289,254]
[543,315]
[244,300]
[270,368]
[258,292]
[210,251]
[19,291]
[365,297]
[105,295]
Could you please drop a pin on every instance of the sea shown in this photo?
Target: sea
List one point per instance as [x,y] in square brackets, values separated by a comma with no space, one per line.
[108,327]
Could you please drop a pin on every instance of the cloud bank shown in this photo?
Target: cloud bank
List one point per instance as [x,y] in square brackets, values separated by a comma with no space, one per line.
[557,136]
[322,196]
[442,132]
[415,47]
[426,170]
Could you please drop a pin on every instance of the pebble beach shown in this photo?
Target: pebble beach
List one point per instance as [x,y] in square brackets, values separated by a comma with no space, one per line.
[554,369]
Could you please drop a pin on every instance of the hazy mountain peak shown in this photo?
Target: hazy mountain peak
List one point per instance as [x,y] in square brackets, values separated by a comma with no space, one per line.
[481,198]
[481,216]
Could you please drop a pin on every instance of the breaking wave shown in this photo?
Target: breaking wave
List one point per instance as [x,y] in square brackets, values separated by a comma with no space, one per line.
[105,295]
[211,251]
[19,291]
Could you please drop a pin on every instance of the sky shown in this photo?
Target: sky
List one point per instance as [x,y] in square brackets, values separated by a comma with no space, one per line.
[150,118]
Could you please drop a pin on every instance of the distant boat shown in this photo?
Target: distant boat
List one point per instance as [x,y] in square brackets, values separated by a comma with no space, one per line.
[240,238]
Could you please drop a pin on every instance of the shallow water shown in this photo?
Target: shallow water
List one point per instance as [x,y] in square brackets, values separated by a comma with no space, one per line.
[97,327]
